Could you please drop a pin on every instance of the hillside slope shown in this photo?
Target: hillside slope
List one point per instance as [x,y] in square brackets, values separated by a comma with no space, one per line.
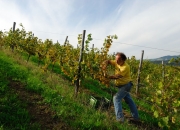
[50,96]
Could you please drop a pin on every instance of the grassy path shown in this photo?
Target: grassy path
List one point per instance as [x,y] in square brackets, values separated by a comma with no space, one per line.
[22,108]
[40,112]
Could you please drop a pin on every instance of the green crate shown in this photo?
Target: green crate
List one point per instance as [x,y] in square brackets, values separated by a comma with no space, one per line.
[93,101]
[97,102]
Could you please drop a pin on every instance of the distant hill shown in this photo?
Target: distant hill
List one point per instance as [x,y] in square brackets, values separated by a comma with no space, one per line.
[164,58]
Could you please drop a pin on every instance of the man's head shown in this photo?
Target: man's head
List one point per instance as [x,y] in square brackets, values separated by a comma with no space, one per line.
[120,57]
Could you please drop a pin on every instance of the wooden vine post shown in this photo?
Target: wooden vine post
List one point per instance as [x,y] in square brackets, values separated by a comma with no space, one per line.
[92,46]
[139,71]
[79,67]
[14,26]
[93,56]
[65,41]
[61,56]
[163,71]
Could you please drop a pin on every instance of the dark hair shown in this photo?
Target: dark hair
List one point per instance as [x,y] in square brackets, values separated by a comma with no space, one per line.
[123,56]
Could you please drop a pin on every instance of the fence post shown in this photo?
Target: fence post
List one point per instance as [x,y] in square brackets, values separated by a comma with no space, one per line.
[79,67]
[14,25]
[163,71]
[12,45]
[65,41]
[92,46]
[139,71]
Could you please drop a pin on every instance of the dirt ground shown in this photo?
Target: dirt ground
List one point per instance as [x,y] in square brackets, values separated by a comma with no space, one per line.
[40,112]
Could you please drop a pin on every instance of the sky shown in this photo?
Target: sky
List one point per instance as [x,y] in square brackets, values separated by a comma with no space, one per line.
[149,25]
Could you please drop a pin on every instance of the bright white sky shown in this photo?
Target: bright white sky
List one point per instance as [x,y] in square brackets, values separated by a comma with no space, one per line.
[149,23]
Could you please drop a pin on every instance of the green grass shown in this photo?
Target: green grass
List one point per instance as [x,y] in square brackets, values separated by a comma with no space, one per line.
[59,93]
[13,113]
[100,90]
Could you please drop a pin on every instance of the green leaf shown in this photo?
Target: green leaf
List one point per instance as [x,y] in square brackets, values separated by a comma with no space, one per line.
[165,120]
[159,124]
[156,114]
[160,85]
[178,103]
[175,110]
[115,36]
[159,92]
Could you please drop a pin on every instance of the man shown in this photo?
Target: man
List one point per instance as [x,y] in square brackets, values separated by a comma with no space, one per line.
[123,82]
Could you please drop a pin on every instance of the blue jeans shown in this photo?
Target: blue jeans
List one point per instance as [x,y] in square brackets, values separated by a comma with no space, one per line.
[123,93]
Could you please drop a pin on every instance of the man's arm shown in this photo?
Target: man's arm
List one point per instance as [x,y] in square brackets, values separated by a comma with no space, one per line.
[104,66]
[117,76]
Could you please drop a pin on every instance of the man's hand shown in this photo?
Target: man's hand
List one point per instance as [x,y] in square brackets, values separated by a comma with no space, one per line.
[104,67]
[117,76]
[104,64]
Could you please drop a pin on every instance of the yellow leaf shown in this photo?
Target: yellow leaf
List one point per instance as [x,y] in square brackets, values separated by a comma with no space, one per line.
[173,120]
[175,110]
